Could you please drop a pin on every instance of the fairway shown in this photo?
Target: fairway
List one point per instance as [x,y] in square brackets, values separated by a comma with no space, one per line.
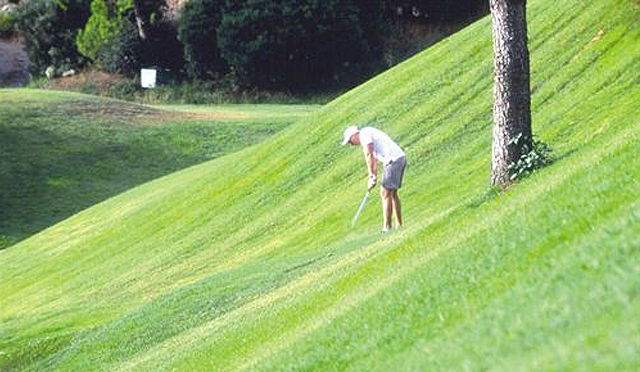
[247,262]
[63,152]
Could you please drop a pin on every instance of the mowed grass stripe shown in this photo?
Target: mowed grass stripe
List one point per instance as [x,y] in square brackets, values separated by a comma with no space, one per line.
[311,282]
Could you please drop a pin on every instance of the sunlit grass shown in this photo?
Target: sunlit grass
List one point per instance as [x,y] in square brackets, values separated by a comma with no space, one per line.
[248,263]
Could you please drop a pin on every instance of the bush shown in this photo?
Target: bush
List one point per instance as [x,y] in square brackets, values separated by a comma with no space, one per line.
[103,27]
[123,54]
[112,39]
[197,30]
[50,29]
[125,89]
[291,44]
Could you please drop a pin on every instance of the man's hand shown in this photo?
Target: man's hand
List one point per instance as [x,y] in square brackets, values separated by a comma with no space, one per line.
[372,182]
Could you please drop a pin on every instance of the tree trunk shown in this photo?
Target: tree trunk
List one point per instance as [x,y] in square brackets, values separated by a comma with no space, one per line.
[512,135]
[140,22]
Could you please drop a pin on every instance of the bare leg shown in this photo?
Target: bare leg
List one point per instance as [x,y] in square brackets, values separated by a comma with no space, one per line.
[395,201]
[387,208]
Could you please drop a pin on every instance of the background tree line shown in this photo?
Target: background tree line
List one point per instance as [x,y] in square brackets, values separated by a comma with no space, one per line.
[294,45]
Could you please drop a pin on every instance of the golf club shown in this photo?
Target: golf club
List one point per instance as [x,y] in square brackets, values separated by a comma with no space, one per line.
[364,200]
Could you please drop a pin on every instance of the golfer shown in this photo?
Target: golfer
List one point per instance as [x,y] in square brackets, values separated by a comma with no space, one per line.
[378,146]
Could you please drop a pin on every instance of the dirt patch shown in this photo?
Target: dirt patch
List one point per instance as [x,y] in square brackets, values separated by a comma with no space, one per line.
[102,81]
[212,116]
[138,114]
[130,113]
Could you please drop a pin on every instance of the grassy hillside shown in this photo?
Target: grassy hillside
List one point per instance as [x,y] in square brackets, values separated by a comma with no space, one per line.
[61,153]
[247,262]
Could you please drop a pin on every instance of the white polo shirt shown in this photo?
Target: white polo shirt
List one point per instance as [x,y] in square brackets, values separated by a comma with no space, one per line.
[384,149]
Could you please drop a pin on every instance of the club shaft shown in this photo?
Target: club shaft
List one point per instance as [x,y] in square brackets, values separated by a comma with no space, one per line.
[364,200]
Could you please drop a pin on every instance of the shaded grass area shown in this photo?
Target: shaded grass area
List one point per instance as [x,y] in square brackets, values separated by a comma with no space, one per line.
[61,153]
[247,262]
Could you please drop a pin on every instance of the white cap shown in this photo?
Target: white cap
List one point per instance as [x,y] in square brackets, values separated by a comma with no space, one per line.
[348,133]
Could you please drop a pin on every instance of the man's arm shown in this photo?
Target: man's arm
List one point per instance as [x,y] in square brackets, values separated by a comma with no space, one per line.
[372,164]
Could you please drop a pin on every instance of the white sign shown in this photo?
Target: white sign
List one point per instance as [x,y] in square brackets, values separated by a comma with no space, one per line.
[148,78]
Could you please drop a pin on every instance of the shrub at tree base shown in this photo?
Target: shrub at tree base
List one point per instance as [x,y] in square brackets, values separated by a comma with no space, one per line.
[539,155]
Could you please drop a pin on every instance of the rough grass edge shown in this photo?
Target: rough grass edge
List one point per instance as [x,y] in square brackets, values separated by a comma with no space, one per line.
[185,92]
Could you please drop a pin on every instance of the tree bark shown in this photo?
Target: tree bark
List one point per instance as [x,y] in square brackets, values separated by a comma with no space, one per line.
[512,135]
[140,20]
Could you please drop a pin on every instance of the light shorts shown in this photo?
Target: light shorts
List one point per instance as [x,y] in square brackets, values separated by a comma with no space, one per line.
[393,174]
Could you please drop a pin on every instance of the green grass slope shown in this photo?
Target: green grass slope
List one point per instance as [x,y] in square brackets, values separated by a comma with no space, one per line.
[247,262]
[61,153]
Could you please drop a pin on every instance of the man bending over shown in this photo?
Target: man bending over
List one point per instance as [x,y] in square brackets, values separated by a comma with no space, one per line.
[377,146]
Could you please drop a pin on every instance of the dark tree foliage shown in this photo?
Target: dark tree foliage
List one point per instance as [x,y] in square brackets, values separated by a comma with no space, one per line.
[159,38]
[146,13]
[295,44]
[441,11]
[49,29]
[197,30]
[162,48]
[374,25]
[124,54]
